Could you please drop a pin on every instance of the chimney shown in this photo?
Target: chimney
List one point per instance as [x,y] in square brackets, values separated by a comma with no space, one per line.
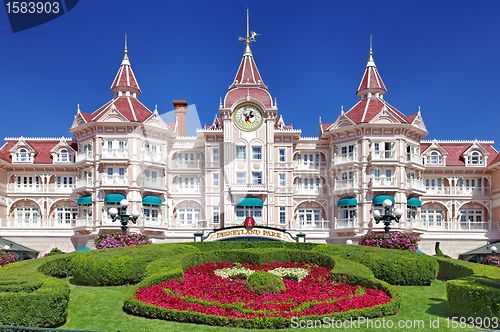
[180,116]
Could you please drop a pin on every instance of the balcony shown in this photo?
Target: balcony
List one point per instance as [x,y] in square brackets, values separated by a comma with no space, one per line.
[459,226]
[458,191]
[117,180]
[384,155]
[39,188]
[154,222]
[45,223]
[284,190]
[186,189]
[152,157]
[303,190]
[83,156]
[84,183]
[114,154]
[189,224]
[311,166]
[155,183]
[186,164]
[346,184]
[415,184]
[346,223]
[310,224]
[383,181]
[345,158]
[414,158]
[248,187]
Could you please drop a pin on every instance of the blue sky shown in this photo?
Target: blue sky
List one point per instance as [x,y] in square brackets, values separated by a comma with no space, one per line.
[439,55]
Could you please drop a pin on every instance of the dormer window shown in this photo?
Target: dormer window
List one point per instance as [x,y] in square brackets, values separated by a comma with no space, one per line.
[63,156]
[476,158]
[434,158]
[23,155]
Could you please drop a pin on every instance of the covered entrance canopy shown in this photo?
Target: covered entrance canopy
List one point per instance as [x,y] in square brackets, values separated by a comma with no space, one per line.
[249,201]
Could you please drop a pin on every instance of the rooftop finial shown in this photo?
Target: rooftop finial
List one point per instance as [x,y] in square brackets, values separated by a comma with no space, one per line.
[250,36]
[370,58]
[126,51]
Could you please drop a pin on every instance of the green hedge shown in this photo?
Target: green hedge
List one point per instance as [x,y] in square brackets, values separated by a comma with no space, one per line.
[230,245]
[29,298]
[396,267]
[59,267]
[121,266]
[170,268]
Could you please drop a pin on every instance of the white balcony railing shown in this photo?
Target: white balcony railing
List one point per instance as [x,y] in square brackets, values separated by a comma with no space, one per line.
[415,184]
[186,164]
[45,223]
[114,179]
[438,190]
[83,156]
[190,224]
[305,165]
[415,158]
[459,226]
[154,222]
[346,184]
[186,189]
[156,183]
[383,154]
[24,188]
[303,190]
[114,153]
[152,157]
[459,191]
[345,158]
[249,186]
[383,181]
[297,225]
[346,223]
[84,182]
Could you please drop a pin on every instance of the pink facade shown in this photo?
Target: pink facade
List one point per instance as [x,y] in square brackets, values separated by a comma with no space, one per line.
[57,191]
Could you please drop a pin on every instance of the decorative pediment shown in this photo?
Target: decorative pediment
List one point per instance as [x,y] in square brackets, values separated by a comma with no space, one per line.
[433,147]
[62,144]
[21,143]
[155,120]
[79,119]
[384,116]
[342,121]
[113,115]
[419,122]
[476,147]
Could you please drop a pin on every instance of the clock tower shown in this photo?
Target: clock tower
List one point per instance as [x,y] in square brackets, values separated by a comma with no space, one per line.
[248,117]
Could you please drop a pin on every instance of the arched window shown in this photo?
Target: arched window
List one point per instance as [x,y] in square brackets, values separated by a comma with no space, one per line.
[434,158]
[476,158]
[23,155]
[63,155]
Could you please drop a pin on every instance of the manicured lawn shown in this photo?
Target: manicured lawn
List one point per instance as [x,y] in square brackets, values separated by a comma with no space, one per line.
[100,309]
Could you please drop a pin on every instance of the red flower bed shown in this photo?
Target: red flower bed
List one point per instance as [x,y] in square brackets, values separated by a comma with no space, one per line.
[203,291]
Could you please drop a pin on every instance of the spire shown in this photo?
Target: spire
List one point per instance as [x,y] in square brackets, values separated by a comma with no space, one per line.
[247,82]
[125,83]
[371,85]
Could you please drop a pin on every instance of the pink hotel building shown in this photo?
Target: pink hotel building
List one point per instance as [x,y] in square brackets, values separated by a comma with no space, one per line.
[57,191]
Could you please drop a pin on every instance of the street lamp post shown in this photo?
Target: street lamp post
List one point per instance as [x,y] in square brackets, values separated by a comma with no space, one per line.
[122,216]
[387,218]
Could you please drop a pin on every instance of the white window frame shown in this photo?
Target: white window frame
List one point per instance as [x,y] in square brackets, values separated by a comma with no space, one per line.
[256,152]
[281,155]
[241,152]
[215,215]
[256,177]
[282,179]
[282,215]
[215,154]
[241,177]
[215,179]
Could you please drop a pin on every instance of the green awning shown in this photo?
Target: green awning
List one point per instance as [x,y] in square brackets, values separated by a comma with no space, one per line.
[114,198]
[378,200]
[249,201]
[151,200]
[347,201]
[84,200]
[413,201]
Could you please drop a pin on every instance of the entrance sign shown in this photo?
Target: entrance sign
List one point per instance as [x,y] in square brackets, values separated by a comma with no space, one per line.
[255,233]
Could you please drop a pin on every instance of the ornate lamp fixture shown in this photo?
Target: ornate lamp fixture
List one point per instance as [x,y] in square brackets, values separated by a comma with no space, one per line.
[122,216]
[387,218]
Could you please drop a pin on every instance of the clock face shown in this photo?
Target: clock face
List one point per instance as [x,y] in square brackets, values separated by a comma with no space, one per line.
[248,117]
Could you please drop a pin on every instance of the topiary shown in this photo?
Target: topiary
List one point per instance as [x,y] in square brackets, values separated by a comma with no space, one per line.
[439,253]
[262,282]
[54,251]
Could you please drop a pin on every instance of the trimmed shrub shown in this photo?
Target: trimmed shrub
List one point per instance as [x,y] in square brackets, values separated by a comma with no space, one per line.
[262,282]
[115,238]
[237,245]
[397,267]
[473,297]
[60,267]
[54,251]
[393,240]
[439,253]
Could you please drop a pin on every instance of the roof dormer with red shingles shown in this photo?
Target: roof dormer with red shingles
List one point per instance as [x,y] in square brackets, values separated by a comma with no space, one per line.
[456,151]
[248,83]
[40,148]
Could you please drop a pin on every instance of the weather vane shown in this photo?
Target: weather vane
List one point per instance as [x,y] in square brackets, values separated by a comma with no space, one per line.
[250,35]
